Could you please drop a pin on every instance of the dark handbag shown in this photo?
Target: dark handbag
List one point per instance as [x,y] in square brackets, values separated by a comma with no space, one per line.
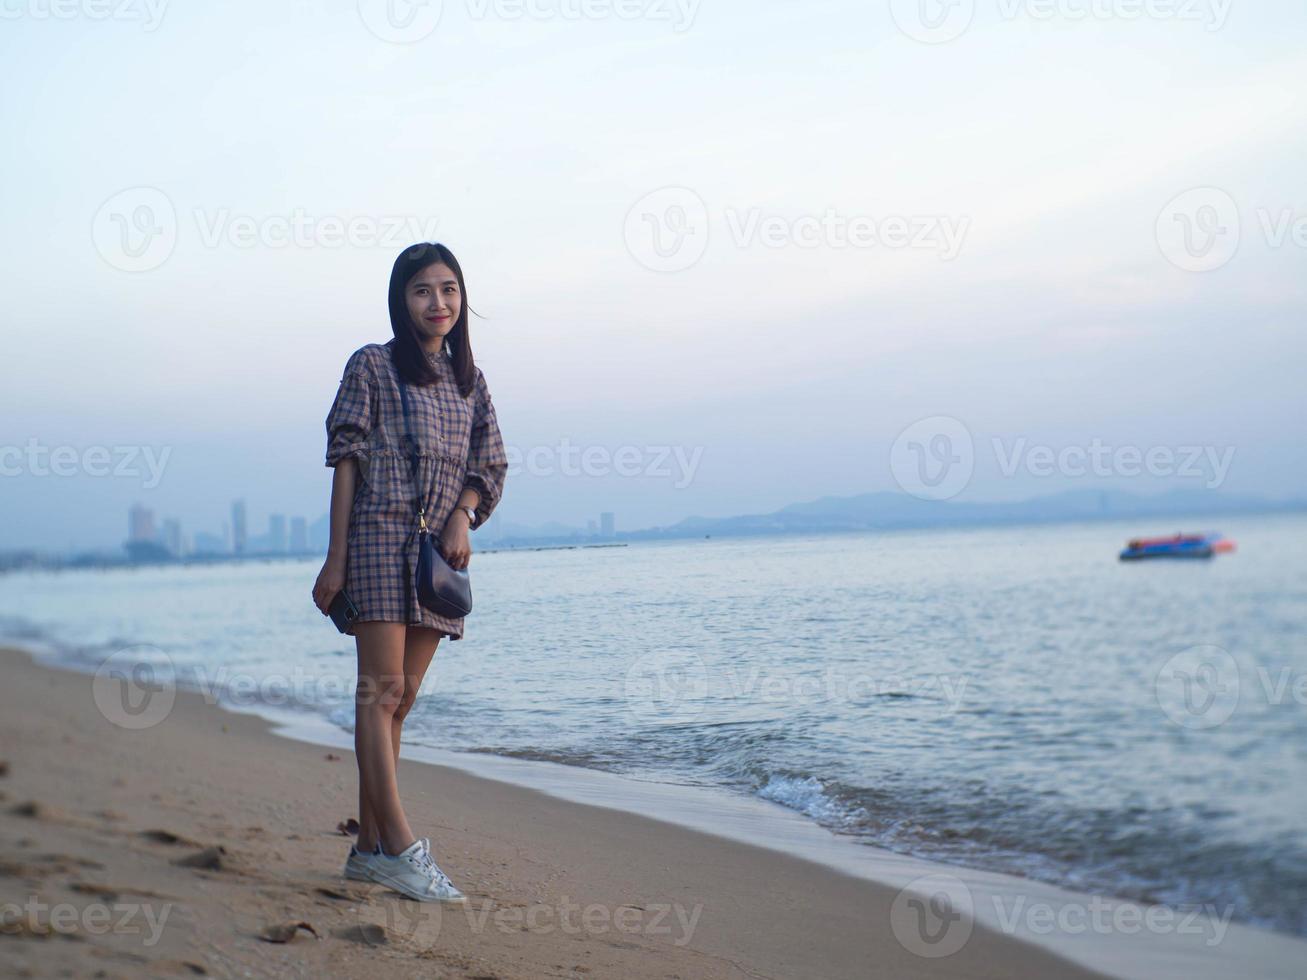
[444,590]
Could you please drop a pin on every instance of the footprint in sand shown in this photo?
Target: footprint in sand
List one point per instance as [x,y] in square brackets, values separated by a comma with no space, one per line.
[36,810]
[209,859]
[367,933]
[158,836]
[111,892]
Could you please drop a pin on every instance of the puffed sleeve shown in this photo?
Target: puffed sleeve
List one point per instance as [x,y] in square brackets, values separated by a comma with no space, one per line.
[487,462]
[352,415]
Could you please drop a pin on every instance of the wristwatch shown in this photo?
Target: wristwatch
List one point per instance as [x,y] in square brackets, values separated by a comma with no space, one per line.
[471,517]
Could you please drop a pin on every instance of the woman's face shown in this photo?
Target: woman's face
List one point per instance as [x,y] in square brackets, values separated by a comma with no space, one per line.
[434,301]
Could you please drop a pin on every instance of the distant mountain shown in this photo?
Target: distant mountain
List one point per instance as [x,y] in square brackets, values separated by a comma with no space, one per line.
[883,511]
[887,511]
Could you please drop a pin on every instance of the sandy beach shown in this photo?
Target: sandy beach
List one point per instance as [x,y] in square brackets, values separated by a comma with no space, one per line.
[207,845]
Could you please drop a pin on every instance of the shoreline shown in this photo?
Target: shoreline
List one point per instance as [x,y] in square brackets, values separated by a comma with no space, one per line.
[96,816]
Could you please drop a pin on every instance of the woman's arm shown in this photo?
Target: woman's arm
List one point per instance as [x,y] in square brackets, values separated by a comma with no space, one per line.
[349,426]
[455,541]
[343,482]
[332,577]
[487,465]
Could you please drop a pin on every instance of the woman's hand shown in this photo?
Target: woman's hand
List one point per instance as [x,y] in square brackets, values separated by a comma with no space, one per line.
[330,581]
[455,543]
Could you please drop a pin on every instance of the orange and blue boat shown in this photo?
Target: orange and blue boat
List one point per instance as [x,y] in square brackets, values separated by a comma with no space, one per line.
[1178,546]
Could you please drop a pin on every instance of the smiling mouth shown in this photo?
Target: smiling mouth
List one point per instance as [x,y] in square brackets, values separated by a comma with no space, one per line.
[437,318]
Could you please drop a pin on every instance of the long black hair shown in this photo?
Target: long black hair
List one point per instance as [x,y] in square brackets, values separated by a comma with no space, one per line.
[410,359]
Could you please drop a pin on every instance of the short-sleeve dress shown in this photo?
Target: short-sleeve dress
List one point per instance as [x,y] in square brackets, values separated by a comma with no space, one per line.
[459,445]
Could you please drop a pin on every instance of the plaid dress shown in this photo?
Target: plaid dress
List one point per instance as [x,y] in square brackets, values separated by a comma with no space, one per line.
[459,445]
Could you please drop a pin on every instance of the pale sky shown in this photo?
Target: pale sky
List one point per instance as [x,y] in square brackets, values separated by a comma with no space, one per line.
[1034,164]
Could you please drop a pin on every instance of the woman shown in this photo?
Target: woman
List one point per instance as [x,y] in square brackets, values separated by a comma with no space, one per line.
[374,532]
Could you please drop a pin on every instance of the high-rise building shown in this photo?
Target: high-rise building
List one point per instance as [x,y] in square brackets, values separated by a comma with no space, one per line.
[299,535]
[607,524]
[238,527]
[171,538]
[320,534]
[140,524]
[277,533]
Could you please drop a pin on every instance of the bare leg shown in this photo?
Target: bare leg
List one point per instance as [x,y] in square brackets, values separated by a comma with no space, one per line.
[419,646]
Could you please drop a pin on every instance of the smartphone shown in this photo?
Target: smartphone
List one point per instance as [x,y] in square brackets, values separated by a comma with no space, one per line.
[343,612]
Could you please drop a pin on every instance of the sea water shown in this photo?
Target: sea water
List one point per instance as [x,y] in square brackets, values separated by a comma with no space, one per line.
[1009,699]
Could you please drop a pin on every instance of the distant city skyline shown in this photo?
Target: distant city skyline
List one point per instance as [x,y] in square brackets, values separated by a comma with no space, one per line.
[285,534]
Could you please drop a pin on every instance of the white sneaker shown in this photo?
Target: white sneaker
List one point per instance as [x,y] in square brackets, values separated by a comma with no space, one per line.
[413,872]
[356,865]
[444,887]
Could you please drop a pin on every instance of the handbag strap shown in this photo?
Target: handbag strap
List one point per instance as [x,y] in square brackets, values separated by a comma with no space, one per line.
[413,450]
